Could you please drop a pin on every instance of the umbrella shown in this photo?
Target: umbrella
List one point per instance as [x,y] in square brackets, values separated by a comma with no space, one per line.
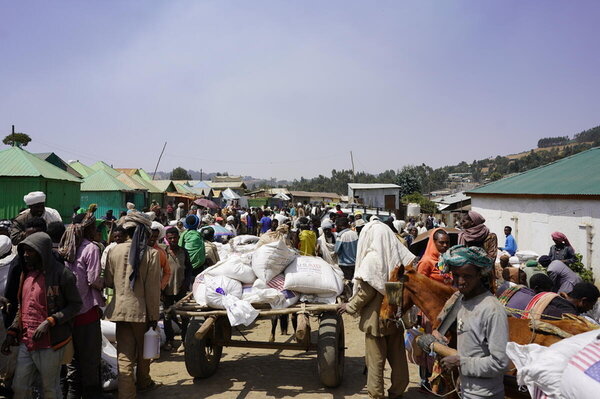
[420,242]
[220,230]
[206,203]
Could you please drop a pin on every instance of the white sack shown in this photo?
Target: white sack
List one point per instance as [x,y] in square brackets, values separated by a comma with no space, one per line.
[542,367]
[526,255]
[239,311]
[218,287]
[245,239]
[109,330]
[271,259]
[312,275]
[199,290]
[271,293]
[581,378]
[233,267]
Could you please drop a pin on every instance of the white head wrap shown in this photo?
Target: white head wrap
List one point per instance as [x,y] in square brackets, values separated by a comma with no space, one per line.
[35,197]
[5,245]
[378,253]
[327,224]
[230,218]
[160,228]
[130,205]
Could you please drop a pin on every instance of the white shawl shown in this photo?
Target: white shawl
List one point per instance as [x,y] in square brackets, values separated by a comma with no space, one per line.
[379,252]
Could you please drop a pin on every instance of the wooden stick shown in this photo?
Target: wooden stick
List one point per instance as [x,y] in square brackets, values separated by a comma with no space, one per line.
[269,345]
[271,312]
[205,327]
[443,350]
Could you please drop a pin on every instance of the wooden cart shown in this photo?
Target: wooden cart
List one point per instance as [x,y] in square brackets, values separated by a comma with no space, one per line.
[209,331]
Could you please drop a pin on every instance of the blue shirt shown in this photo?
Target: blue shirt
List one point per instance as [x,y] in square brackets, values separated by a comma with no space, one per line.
[346,245]
[265,224]
[510,245]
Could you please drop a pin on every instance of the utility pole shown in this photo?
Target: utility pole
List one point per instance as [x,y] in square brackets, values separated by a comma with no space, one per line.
[161,154]
[353,172]
[201,175]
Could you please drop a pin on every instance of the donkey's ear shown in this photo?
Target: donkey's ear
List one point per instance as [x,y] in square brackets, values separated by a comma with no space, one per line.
[400,271]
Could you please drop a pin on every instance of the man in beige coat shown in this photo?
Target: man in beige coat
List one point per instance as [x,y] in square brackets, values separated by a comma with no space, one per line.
[379,251]
[133,270]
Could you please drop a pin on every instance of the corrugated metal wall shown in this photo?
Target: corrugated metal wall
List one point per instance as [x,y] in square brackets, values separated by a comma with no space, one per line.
[60,195]
[12,191]
[139,199]
[105,200]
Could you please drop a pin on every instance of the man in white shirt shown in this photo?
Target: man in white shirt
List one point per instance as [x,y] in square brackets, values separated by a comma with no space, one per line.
[36,201]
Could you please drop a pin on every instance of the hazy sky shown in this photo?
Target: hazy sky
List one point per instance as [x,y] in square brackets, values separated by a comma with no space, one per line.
[287,88]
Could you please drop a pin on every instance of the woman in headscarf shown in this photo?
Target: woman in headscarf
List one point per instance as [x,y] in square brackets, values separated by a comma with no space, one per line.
[476,234]
[439,242]
[562,249]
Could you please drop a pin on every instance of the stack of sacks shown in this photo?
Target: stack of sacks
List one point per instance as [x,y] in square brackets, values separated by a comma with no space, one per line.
[568,369]
[317,279]
[271,259]
[245,239]
[272,293]
[525,255]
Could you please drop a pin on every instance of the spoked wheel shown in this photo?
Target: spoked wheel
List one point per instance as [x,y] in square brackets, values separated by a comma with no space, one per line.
[331,350]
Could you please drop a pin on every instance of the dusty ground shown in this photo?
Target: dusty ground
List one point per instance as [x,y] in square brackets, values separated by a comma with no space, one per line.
[253,373]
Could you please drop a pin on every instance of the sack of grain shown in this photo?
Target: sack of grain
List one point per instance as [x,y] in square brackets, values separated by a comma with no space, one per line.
[312,275]
[271,259]
[219,286]
[234,267]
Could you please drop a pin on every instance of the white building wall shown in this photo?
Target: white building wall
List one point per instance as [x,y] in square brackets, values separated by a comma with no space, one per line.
[375,197]
[533,220]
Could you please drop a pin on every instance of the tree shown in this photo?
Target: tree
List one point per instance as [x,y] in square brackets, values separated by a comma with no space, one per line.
[180,174]
[17,139]
[427,206]
[408,180]
[495,176]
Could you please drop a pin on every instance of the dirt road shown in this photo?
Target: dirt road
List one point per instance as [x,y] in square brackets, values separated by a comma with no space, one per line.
[253,373]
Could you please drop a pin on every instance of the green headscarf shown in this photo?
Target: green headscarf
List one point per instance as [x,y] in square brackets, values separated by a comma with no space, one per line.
[460,255]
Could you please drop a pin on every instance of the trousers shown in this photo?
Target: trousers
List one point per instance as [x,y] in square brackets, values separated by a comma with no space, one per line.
[83,373]
[43,362]
[130,353]
[378,350]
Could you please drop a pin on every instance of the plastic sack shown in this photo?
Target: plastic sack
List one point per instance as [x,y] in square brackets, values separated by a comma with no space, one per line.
[239,311]
[199,290]
[312,275]
[526,255]
[245,239]
[287,298]
[218,287]
[581,378]
[541,368]
[271,259]
[233,267]
[271,293]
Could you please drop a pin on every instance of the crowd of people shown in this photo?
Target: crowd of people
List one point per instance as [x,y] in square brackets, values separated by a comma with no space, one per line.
[59,277]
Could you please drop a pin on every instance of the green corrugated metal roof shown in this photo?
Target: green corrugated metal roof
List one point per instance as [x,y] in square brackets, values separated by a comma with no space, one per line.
[127,180]
[578,174]
[183,189]
[82,169]
[15,161]
[148,185]
[102,165]
[103,181]
[165,185]
[144,175]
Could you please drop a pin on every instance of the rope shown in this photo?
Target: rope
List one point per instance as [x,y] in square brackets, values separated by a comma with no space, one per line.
[527,312]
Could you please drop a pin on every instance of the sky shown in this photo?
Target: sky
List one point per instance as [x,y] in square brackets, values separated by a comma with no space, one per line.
[284,89]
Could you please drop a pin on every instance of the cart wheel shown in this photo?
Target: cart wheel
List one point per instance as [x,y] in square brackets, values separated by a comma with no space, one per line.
[202,357]
[330,350]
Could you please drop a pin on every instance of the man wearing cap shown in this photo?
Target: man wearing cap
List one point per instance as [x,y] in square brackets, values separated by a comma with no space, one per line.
[230,225]
[36,201]
[482,326]
[133,271]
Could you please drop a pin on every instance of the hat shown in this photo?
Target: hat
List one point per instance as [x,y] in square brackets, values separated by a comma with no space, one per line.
[230,218]
[191,222]
[358,212]
[5,245]
[180,205]
[327,225]
[359,223]
[219,219]
[36,197]
[130,205]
